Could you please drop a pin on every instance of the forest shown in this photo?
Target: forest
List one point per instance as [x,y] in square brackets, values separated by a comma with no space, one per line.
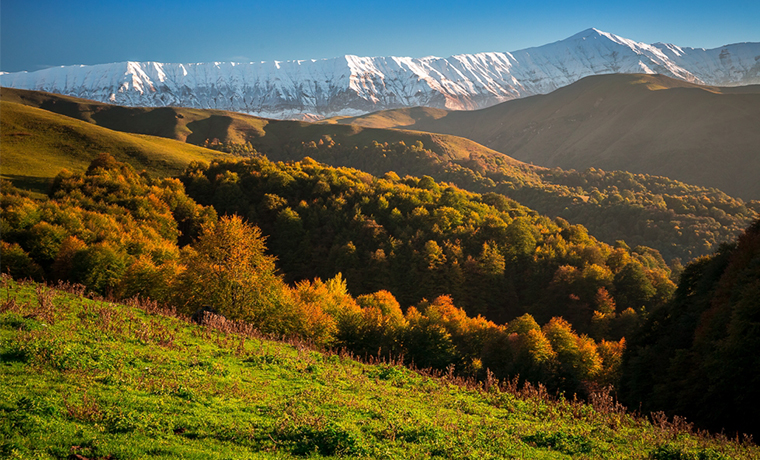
[421,239]
[697,356]
[681,221]
[404,268]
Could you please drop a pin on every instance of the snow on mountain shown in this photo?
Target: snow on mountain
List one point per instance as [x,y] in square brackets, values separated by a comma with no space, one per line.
[353,85]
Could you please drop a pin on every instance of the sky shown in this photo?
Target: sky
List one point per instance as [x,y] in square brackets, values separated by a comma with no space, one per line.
[35,34]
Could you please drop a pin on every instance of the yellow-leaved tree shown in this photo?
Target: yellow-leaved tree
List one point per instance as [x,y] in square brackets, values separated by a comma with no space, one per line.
[228,271]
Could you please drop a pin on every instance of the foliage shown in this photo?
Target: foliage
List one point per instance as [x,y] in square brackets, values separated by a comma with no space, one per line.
[681,221]
[421,239]
[111,229]
[698,355]
[228,271]
[118,233]
[82,378]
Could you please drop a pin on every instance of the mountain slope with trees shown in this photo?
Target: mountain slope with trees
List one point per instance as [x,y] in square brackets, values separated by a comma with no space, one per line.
[421,239]
[681,221]
[647,124]
[124,235]
[697,356]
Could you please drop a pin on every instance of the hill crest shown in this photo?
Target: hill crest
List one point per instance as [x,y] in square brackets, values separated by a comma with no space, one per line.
[649,124]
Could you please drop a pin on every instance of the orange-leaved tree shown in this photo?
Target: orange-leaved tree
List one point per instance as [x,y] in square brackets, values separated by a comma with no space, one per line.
[229,272]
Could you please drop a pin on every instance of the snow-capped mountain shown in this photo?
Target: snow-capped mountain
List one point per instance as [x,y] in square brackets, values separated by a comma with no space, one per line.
[352,85]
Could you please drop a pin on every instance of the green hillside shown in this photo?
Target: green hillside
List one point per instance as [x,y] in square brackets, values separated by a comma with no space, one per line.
[38,144]
[88,378]
[648,124]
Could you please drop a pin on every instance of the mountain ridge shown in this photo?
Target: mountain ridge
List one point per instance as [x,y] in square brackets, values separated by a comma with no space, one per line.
[649,124]
[352,85]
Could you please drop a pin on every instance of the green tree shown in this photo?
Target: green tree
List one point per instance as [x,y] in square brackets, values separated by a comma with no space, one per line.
[632,287]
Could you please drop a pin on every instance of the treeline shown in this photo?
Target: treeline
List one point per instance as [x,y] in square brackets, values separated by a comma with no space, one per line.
[679,220]
[123,234]
[698,356]
[236,148]
[420,239]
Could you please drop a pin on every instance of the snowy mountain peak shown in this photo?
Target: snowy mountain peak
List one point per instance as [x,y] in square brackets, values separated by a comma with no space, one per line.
[590,32]
[352,85]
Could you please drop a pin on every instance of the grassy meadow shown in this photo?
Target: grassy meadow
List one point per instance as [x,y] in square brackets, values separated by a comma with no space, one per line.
[38,144]
[87,378]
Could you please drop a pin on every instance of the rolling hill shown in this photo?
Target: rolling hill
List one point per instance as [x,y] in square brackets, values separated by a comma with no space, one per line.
[196,126]
[38,144]
[680,220]
[648,124]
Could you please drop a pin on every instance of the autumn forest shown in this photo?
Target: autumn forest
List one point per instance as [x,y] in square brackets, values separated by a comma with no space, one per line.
[581,284]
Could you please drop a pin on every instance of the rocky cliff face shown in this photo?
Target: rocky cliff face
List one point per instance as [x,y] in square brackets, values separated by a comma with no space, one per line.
[352,85]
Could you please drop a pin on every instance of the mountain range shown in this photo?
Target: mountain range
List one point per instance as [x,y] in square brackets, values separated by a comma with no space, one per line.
[353,85]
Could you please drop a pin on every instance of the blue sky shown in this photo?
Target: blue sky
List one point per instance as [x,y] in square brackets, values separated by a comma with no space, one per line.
[41,33]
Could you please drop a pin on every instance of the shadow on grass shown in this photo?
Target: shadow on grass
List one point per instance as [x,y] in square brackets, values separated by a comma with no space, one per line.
[36,185]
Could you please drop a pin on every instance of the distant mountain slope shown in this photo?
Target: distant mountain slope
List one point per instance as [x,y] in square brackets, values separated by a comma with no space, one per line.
[351,85]
[650,124]
[199,127]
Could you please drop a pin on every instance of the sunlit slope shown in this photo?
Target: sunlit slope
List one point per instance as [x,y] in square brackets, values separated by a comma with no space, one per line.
[196,126]
[37,144]
[92,379]
[648,124]
[187,125]
[397,118]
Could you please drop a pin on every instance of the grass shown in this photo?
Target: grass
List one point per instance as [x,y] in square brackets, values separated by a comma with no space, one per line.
[84,378]
[37,145]
[195,126]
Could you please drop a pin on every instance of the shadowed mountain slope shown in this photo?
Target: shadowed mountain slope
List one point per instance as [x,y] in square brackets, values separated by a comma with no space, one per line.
[647,124]
[680,220]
